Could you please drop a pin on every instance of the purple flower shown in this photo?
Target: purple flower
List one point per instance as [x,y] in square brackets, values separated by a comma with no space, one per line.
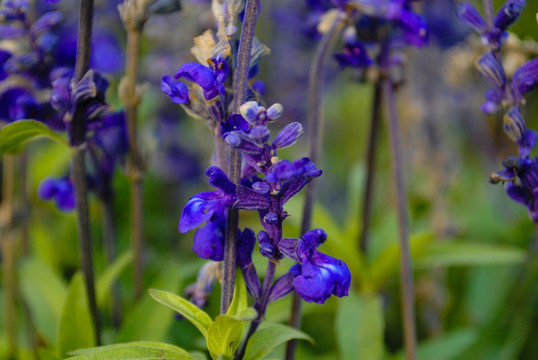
[521,176]
[354,55]
[177,91]
[506,16]
[60,190]
[18,103]
[525,79]
[509,13]
[318,276]
[210,79]
[209,239]
[201,207]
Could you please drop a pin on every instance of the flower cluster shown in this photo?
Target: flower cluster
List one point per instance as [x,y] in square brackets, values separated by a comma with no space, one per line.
[26,66]
[519,172]
[317,276]
[372,23]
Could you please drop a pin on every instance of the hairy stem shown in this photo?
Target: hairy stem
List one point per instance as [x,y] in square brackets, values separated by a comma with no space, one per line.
[373,140]
[8,254]
[135,162]
[234,164]
[406,271]
[315,126]
[260,306]
[109,233]
[77,139]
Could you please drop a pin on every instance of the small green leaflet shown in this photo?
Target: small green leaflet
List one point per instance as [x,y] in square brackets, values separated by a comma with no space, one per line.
[133,351]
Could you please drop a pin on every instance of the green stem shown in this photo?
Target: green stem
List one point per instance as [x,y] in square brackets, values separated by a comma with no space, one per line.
[315,116]
[406,270]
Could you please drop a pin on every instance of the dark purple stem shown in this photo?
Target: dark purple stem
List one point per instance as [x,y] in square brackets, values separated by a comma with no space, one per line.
[315,124]
[234,165]
[77,139]
[406,271]
[373,140]
[260,306]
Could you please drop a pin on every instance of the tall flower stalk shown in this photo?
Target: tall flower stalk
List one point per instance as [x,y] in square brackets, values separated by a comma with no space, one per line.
[134,25]
[234,165]
[373,141]
[315,117]
[77,139]
[406,270]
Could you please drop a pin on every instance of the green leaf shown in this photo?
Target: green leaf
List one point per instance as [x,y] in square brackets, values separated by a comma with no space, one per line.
[135,350]
[270,336]
[15,136]
[360,327]
[190,311]
[388,263]
[44,354]
[224,336]
[452,253]
[239,301]
[447,347]
[76,327]
[149,320]
[111,274]
[44,292]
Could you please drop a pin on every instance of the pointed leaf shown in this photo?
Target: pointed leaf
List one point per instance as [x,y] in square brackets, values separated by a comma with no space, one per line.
[132,351]
[270,336]
[360,327]
[111,274]
[44,292]
[224,336]
[451,253]
[239,301]
[15,136]
[197,317]
[76,326]
[149,320]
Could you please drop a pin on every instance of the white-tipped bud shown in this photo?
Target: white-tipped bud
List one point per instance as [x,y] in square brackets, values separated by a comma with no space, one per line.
[275,111]
[250,110]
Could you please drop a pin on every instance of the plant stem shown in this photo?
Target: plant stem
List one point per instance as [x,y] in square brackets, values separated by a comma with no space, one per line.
[109,232]
[406,271]
[24,202]
[373,140]
[260,306]
[234,164]
[315,126]
[488,12]
[77,139]
[135,162]
[8,254]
